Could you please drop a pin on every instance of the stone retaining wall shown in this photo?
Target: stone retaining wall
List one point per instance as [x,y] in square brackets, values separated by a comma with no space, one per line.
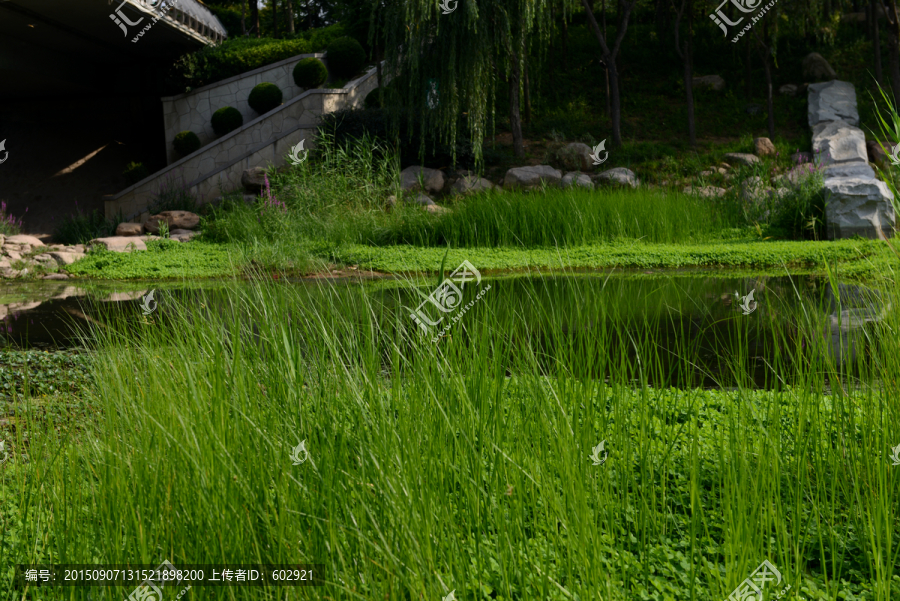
[194,110]
[266,140]
[857,202]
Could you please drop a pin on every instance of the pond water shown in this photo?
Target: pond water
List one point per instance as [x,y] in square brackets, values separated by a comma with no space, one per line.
[712,319]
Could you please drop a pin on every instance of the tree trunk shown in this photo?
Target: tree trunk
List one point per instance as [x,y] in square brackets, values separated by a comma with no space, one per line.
[662,20]
[614,109]
[770,102]
[515,118]
[275,18]
[527,95]
[290,15]
[565,44]
[243,15]
[689,73]
[748,71]
[254,16]
[876,42]
[894,63]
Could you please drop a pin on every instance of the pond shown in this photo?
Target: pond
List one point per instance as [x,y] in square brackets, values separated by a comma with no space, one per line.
[703,328]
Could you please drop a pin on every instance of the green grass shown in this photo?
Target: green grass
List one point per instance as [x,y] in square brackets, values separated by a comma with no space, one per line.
[463,465]
[162,259]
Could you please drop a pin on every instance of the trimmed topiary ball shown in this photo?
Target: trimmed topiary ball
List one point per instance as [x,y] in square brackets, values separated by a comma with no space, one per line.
[226,119]
[265,97]
[186,142]
[310,73]
[345,57]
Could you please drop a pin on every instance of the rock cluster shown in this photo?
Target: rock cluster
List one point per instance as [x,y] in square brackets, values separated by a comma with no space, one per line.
[22,255]
[857,202]
[131,236]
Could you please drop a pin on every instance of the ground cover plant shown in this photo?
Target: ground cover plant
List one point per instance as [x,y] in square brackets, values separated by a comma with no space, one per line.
[464,465]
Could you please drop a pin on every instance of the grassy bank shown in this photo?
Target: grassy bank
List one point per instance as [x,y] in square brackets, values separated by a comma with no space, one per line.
[464,465]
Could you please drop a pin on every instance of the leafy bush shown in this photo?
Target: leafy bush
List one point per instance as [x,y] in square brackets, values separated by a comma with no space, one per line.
[226,120]
[310,73]
[9,225]
[81,227]
[172,197]
[353,124]
[240,54]
[265,97]
[345,57]
[135,172]
[186,142]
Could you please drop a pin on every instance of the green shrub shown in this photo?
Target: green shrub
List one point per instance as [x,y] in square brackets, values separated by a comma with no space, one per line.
[345,57]
[265,97]
[239,54]
[186,142]
[226,120]
[135,172]
[310,73]
[9,225]
[172,197]
[80,227]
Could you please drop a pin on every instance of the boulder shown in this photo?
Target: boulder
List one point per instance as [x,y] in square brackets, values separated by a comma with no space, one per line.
[184,220]
[576,178]
[23,239]
[55,276]
[858,206]
[434,208]
[788,89]
[532,176]
[129,229]
[470,184]
[705,191]
[391,201]
[838,142]
[619,176]
[65,258]
[253,179]
[764,147]
[576,156]
[712,82]
[182,235]
[119,243]
[832,101]
[753,189]
[877,154]
[432,179]
[420,199]
[816,68]
[851,169]
[742,157]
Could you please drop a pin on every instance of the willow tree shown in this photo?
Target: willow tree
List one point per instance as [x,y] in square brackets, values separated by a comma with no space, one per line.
[449,64]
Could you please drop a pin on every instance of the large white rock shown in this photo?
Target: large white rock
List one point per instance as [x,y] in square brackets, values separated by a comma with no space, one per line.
[470,184]
[832,101]
[619,176]
[529,177]
[851,169]
[838,142]
[576,156]
[432,179]
[743,158]
[858,206]
[120,244]
[576,178]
